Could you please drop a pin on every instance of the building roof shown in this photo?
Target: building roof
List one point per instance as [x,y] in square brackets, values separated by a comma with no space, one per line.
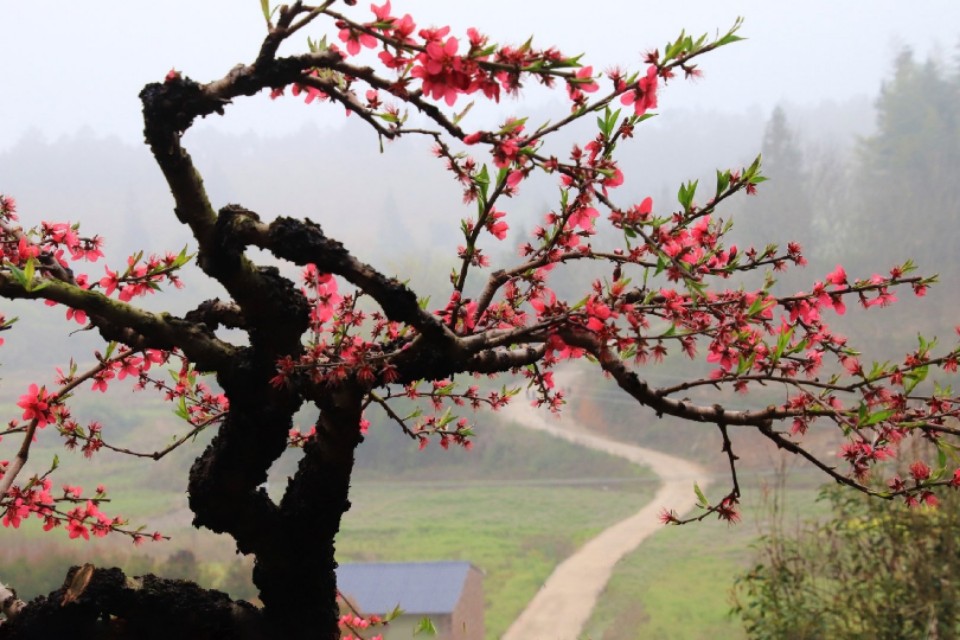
[417,587]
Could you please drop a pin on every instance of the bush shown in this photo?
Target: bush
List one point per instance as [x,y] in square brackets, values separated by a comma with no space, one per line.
[871,571]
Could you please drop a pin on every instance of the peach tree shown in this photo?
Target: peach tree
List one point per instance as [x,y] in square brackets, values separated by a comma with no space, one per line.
[343,337]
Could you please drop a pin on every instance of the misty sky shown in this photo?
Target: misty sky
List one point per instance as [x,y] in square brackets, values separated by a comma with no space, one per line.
[68,65]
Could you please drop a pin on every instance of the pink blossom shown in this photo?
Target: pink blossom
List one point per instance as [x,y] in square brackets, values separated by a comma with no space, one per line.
[38,405]
[644,96]
[583,218]
[77,529]
[356,39]
[584,83]
[837,277]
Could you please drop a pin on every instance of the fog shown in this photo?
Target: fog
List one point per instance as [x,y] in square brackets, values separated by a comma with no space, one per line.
[68,65]
[851,191]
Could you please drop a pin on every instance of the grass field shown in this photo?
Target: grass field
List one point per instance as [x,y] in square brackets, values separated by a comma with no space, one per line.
[516,534]
[677,585]
[515,506]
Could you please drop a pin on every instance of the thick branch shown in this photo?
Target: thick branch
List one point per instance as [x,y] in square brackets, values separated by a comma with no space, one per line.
[641,391]
[214,313]
[107,604]
[269,302]
[23,454]
[303,242]
[313,504]
[501,360]
[10,604]
[226,481]
[132,326]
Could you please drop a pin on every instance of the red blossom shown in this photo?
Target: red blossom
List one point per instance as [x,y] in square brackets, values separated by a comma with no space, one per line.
[920,471]
[668,516]
[727,510]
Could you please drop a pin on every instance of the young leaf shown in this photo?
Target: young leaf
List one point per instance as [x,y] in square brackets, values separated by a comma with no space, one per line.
[425,626]
[702,499]
[458,117]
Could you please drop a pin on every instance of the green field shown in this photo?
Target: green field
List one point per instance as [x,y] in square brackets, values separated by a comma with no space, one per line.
[515,534]
[676,586]
[515,506]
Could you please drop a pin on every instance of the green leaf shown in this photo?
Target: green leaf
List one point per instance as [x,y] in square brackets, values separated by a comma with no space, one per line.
[446,389]
[661,265]
[458,117]
[608,122]
[181,411]
[580,304]
[730,35]
[876,417]
[915,377]
[686,193]
[425,626]
[782,343]
[723,181]
[671,50]
[760,304]
[752,173]
[17,273]
[393,615]
[941,462]
[700,497]
[265,7]
[446,418]
[877,371]
[416,413]
[28,272]
[482,180]
[728,39]
[745,364]
[513,125]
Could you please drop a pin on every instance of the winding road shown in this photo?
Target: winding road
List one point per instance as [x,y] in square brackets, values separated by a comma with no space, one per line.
[562,607]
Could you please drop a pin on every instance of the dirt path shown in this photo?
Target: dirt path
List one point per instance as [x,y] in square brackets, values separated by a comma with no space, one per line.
[562,606]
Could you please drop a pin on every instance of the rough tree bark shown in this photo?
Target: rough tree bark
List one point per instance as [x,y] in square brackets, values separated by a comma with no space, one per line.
[108,604]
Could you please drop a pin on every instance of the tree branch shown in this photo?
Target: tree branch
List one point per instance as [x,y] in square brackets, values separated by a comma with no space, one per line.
[641,391]
[134,327]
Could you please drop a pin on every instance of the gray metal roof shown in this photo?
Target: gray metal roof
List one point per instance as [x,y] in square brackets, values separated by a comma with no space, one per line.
[418,587]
